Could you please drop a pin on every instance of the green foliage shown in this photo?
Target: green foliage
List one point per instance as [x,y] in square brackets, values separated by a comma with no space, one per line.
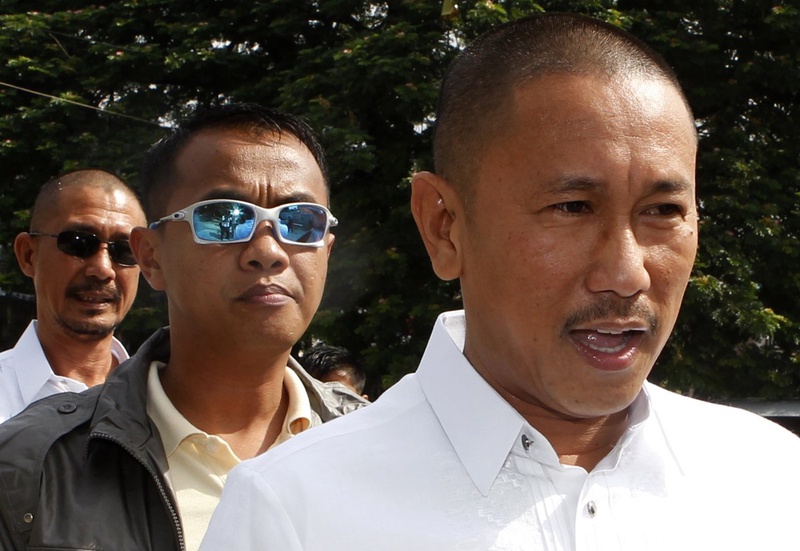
[366,75]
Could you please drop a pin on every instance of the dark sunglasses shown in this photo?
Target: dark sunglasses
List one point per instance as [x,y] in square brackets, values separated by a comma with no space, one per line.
[84,244]
[228,221]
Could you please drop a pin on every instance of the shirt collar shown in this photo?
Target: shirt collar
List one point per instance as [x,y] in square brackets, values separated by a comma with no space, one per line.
[118,351]
[36,370]
[481,426]
[298,416]
[174,427]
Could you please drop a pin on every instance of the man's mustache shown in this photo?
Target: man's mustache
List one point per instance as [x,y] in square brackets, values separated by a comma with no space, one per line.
[110,292]
[610,307]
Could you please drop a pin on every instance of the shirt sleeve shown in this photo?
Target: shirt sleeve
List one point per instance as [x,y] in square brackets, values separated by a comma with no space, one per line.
[250,517]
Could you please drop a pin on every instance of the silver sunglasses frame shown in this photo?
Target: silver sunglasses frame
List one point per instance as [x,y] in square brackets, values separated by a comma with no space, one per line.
[262,214]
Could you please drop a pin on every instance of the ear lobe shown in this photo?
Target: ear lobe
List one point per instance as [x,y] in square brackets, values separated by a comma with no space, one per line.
[329,246]
[144,244]
[23,250]
[435,207]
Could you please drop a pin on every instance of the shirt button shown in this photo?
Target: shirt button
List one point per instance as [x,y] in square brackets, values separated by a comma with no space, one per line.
[591,508]
[27,518]
[526,442]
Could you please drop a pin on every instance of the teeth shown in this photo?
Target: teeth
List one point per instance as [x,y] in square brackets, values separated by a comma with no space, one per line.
[606,350]
[609,331]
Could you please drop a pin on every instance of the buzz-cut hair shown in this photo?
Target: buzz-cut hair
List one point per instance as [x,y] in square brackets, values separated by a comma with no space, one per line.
[158,178]
[476,96]
[49,194]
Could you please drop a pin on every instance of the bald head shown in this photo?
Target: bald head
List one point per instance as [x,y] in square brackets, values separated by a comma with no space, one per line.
[51,193]
[476,100]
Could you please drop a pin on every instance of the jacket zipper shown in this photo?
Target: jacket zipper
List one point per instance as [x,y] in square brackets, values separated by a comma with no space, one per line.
[175,518]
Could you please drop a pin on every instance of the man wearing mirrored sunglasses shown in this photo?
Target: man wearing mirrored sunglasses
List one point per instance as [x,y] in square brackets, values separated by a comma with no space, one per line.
[78,254]
[239,241]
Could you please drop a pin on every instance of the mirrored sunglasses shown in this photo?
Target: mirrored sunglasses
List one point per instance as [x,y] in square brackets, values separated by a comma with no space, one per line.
[228,221]
[84,244]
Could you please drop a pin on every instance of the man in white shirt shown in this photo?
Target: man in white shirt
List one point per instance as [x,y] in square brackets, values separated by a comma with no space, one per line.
[564,202]
[78,254]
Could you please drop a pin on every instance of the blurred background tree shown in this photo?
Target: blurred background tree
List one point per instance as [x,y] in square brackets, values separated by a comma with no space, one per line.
[93,84]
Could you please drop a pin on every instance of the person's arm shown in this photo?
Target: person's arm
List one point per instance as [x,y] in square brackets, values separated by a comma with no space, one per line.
[250,517]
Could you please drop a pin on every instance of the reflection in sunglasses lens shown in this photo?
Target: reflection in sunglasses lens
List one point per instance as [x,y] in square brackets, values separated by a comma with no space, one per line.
[302,224]
[223,221]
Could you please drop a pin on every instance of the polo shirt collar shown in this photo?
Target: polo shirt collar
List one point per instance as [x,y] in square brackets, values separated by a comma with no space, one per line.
[174,427]
[298,415]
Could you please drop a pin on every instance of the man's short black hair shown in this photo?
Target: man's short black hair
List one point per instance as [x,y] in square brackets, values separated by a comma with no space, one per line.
[158,178]
[477,91]
[323,359]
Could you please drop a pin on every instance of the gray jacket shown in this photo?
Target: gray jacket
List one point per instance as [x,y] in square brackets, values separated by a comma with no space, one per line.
[86,471]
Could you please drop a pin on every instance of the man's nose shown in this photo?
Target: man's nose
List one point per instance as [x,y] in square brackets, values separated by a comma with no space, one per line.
[100,265]
[619,263]
[264,251]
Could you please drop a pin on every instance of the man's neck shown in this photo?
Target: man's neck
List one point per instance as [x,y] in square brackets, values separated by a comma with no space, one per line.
[87,361]
[237,398]
[583,442]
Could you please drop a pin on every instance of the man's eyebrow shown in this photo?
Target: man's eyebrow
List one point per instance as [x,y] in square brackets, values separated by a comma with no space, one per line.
[234,194]
[672,186]
[115,236]
[582,183]
[295,196]
[569,183]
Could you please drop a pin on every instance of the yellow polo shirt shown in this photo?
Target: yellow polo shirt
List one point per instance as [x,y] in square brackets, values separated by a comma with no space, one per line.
[199,462]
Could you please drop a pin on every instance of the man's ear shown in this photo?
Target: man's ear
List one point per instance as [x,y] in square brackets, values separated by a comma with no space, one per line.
[24,251]
[329,246]
[144,244]
[436,208]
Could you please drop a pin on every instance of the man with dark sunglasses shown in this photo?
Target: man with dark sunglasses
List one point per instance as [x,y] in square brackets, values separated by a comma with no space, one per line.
[78,254]
[140,462]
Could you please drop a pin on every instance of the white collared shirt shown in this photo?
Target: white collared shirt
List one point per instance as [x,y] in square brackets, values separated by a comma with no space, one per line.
[441,462]
[199,462]
[26,375]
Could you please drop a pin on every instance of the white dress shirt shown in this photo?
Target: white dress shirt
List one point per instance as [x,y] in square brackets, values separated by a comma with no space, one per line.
[442,462]
[26,375]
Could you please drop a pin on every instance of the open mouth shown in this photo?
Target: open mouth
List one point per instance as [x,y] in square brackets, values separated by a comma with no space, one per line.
[605,341]
[606,349]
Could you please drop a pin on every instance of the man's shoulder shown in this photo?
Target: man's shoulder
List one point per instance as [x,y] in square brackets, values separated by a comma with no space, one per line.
[46,420]
[26,340]
[705,425]
[349,437]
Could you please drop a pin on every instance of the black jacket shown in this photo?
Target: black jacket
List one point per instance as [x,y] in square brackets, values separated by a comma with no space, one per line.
[85,471]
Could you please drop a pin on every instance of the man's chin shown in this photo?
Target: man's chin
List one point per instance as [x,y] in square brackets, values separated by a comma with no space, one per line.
[88,329]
